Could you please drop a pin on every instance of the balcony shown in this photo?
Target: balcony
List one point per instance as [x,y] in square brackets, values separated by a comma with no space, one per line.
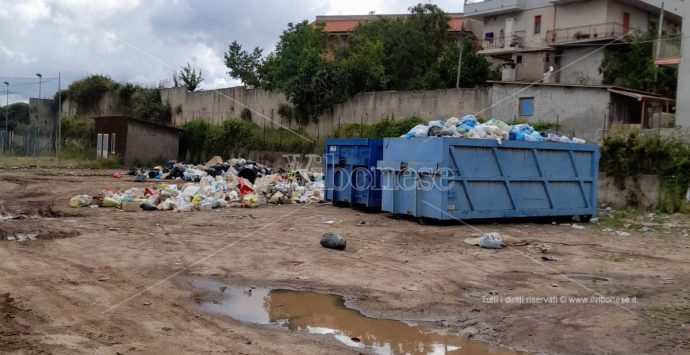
[667,51]
[587,33]
[504,45]
[494,7]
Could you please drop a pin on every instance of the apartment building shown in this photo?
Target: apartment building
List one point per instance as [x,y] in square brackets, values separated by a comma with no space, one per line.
[339,26]
[562,41]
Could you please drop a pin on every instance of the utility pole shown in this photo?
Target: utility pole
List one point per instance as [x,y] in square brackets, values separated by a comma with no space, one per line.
[40,79]
[58,125]
[7,115]
[461,47]
[658,41]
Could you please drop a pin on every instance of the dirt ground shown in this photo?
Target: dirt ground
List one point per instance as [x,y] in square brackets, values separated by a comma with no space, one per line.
[107,281]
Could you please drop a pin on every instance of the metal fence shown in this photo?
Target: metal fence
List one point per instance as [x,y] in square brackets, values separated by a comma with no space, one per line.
[29,140]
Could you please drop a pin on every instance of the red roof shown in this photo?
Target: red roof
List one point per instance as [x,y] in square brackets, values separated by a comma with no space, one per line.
[343,24]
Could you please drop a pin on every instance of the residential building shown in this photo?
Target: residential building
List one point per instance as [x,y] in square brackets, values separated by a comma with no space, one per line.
[338,26]
[564,38]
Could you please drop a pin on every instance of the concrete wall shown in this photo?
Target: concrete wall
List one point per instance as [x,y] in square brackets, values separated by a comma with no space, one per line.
[214,106]
[580,65]
[42,113]
[147,142]
[581,13]
[639,19]
[109,104]
[648,196]
[683,92]
[580,110]
[533,66]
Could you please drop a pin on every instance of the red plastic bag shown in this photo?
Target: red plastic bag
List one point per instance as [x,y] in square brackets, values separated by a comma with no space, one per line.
[117,174]
[244,188]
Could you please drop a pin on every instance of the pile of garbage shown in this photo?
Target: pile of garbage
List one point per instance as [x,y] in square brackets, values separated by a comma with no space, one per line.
[247,169]
[188,187]
[469,127]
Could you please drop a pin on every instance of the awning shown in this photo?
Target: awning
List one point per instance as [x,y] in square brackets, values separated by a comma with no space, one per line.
[639,96]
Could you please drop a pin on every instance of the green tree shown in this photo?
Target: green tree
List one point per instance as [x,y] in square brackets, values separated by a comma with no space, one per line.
[244,65]
[17,112]
[300,69]
[476,69]
[363,66]
[190,77]
[632,66]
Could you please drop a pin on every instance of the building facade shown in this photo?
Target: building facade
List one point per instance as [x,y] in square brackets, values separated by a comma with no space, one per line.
[563,41]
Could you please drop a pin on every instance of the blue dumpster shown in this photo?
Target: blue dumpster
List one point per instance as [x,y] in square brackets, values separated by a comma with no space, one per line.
[351,176]
[448,178]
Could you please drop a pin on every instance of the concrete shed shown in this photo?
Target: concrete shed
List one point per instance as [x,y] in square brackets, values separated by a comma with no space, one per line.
[135,139]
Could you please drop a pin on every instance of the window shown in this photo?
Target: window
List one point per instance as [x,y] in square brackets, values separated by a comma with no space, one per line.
[518,59]
[112,143]
[537,24]
[526,106]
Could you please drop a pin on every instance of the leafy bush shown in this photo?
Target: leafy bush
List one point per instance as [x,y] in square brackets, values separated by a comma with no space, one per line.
[90,89]
[77,132]
[381,129]
[545,126]
[626,154]
[147,104]
[246,114]
[200,141]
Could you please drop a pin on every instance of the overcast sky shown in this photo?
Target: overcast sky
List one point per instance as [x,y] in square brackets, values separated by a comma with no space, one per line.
[144,41]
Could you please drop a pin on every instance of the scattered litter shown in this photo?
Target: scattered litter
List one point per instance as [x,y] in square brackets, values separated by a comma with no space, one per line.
[411,288]
[577,226]
[490,240]
[646,229]
[621,233]
[594,220]
[237,183]
[117,174]
[333,241]
[607,230]
[22,237]
[80,201]
[548,258]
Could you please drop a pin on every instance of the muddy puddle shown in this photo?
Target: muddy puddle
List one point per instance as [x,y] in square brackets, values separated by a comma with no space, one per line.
[327,314]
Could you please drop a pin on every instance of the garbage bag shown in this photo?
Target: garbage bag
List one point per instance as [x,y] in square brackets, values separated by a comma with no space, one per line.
[490,240]
[80,201]
[418,131]
[148,207]
[452,122]
[110,202]
[333,241]
[435,131]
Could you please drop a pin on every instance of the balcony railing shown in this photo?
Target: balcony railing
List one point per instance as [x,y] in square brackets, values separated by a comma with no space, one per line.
[516,40]
[587,33]
[667,47]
